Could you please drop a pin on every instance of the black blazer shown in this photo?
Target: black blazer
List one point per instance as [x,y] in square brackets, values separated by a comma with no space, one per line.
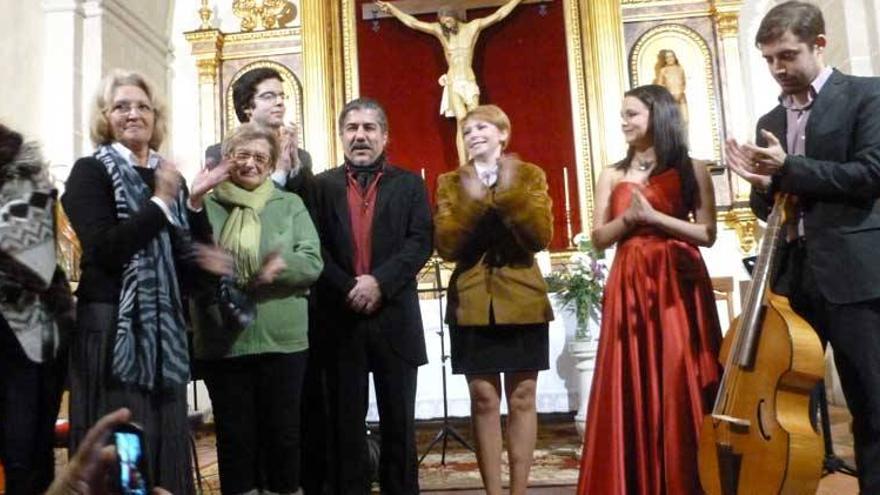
[837,184]
[402,244]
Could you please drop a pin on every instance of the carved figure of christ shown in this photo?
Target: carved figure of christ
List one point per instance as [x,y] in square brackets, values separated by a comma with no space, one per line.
[458,38]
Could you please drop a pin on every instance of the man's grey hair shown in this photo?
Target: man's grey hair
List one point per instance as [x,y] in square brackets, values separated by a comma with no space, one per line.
[364,104]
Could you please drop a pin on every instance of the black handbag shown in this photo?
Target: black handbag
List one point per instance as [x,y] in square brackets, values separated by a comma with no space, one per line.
[236,308]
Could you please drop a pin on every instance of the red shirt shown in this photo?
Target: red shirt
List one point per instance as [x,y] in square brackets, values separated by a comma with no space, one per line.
[361,207]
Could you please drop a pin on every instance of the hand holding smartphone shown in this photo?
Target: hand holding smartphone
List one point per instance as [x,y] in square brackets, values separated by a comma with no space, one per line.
[130,475]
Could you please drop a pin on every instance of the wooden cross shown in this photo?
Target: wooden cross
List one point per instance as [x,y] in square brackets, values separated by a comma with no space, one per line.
[369,11]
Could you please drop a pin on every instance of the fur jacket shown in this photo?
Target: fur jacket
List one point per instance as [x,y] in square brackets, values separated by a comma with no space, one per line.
[493,242]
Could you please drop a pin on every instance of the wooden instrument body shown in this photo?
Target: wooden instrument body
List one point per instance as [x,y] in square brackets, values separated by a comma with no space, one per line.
[760,437]
[780,452]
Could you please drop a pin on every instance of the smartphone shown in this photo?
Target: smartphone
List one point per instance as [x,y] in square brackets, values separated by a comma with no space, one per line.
[131,464]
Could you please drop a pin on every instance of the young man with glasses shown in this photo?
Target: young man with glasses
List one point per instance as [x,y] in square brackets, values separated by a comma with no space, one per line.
[258,96]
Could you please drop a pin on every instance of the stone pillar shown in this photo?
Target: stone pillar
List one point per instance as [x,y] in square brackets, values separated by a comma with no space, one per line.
[319,28]
[207,46]
[61,110]
[606,79]
[726,16]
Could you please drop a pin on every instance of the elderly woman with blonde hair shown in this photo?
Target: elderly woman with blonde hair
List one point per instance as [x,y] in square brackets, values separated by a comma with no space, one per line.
[130,210]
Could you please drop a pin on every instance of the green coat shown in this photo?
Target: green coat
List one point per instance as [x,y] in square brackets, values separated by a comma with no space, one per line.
[282,308]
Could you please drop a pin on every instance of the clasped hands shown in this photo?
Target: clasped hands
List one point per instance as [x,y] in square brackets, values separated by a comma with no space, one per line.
[474,188]
[366,296]
[640,211]
[754,163]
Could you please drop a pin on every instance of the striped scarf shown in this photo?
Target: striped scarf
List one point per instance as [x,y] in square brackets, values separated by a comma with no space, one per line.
[150,348]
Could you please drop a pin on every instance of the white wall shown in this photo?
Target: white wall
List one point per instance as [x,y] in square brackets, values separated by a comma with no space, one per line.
[21,53]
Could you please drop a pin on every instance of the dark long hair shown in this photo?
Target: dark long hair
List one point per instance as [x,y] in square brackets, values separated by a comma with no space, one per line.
[10,143]
[666,129]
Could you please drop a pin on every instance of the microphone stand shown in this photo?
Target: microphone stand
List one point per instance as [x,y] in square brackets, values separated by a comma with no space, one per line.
[446,430]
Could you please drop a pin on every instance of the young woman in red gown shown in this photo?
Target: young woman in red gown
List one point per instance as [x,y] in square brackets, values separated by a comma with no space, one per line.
[657,367]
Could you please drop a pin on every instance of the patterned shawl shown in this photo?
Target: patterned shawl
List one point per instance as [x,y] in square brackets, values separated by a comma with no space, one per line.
[150,348]
[27,255]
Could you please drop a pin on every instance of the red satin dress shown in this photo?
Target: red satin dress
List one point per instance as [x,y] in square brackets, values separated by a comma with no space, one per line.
[657,369]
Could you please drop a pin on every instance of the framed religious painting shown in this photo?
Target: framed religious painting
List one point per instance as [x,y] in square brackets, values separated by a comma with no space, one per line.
[678,58]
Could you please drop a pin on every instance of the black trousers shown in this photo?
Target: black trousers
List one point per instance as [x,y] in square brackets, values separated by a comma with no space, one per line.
[853,330]
[315,425]
[30,394]
[256,405]
[358,351]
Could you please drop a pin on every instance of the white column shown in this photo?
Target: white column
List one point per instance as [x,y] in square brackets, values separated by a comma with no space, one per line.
[60,104]
[92,65]
[736,120]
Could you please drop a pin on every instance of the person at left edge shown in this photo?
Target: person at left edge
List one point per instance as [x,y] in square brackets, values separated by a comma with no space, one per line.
[36,315]
[375,227]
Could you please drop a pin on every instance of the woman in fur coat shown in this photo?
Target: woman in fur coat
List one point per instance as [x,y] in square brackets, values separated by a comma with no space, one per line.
[493,215]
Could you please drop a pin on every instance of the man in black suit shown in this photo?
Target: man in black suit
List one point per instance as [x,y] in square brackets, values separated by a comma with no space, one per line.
[376,234]
[258,95]
[822,144]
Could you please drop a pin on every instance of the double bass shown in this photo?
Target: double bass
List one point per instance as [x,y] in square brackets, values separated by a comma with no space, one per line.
[761,437]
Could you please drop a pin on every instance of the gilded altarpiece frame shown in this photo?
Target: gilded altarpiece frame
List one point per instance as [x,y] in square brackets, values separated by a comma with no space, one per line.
[588,72]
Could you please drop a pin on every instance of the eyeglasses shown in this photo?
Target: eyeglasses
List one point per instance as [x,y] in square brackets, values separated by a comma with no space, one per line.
[126,108]
[270,96]
[243,156]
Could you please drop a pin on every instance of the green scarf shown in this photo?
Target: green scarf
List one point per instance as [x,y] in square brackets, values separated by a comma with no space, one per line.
[241,232]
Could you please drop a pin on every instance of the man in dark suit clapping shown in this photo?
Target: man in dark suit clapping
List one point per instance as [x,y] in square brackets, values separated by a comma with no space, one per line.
[376,234]
[822,145]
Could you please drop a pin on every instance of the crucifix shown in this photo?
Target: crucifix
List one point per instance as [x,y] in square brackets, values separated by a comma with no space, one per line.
[458,38]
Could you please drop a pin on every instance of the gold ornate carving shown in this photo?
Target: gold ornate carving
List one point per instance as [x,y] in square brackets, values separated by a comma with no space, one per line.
[349,51]
[206,47]
[605,74]
[744,223]
[290,83]
[322,84]
[728,24]
[205,14]
[207,70]
[708,72]
[578,89]
[268,14]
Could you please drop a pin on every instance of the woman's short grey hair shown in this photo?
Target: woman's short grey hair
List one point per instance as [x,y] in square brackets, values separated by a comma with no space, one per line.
[248,132]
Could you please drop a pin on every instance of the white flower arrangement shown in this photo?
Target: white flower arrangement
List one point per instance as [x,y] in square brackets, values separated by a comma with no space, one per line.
[580,286]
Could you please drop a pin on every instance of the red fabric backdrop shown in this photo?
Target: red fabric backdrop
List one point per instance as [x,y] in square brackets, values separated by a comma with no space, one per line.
[520,65]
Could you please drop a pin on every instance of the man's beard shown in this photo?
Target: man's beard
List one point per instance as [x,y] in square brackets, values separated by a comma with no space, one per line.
[447,31]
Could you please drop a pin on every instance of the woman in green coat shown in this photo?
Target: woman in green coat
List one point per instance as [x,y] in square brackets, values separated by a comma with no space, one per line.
[255,375]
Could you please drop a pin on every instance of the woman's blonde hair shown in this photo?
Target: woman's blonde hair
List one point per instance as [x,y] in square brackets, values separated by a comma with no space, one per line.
[492,114]
[248,132]
[101,132]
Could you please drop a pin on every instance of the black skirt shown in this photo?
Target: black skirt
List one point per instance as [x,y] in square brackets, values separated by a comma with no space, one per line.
[93,393]
[480,350]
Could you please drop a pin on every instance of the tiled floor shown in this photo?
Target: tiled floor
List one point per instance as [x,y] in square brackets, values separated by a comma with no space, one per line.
[834,484]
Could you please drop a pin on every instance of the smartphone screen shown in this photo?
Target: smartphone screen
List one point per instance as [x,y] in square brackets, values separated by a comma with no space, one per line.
[131,478]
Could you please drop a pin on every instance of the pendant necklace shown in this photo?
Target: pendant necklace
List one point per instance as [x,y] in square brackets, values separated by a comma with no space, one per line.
[644,165]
